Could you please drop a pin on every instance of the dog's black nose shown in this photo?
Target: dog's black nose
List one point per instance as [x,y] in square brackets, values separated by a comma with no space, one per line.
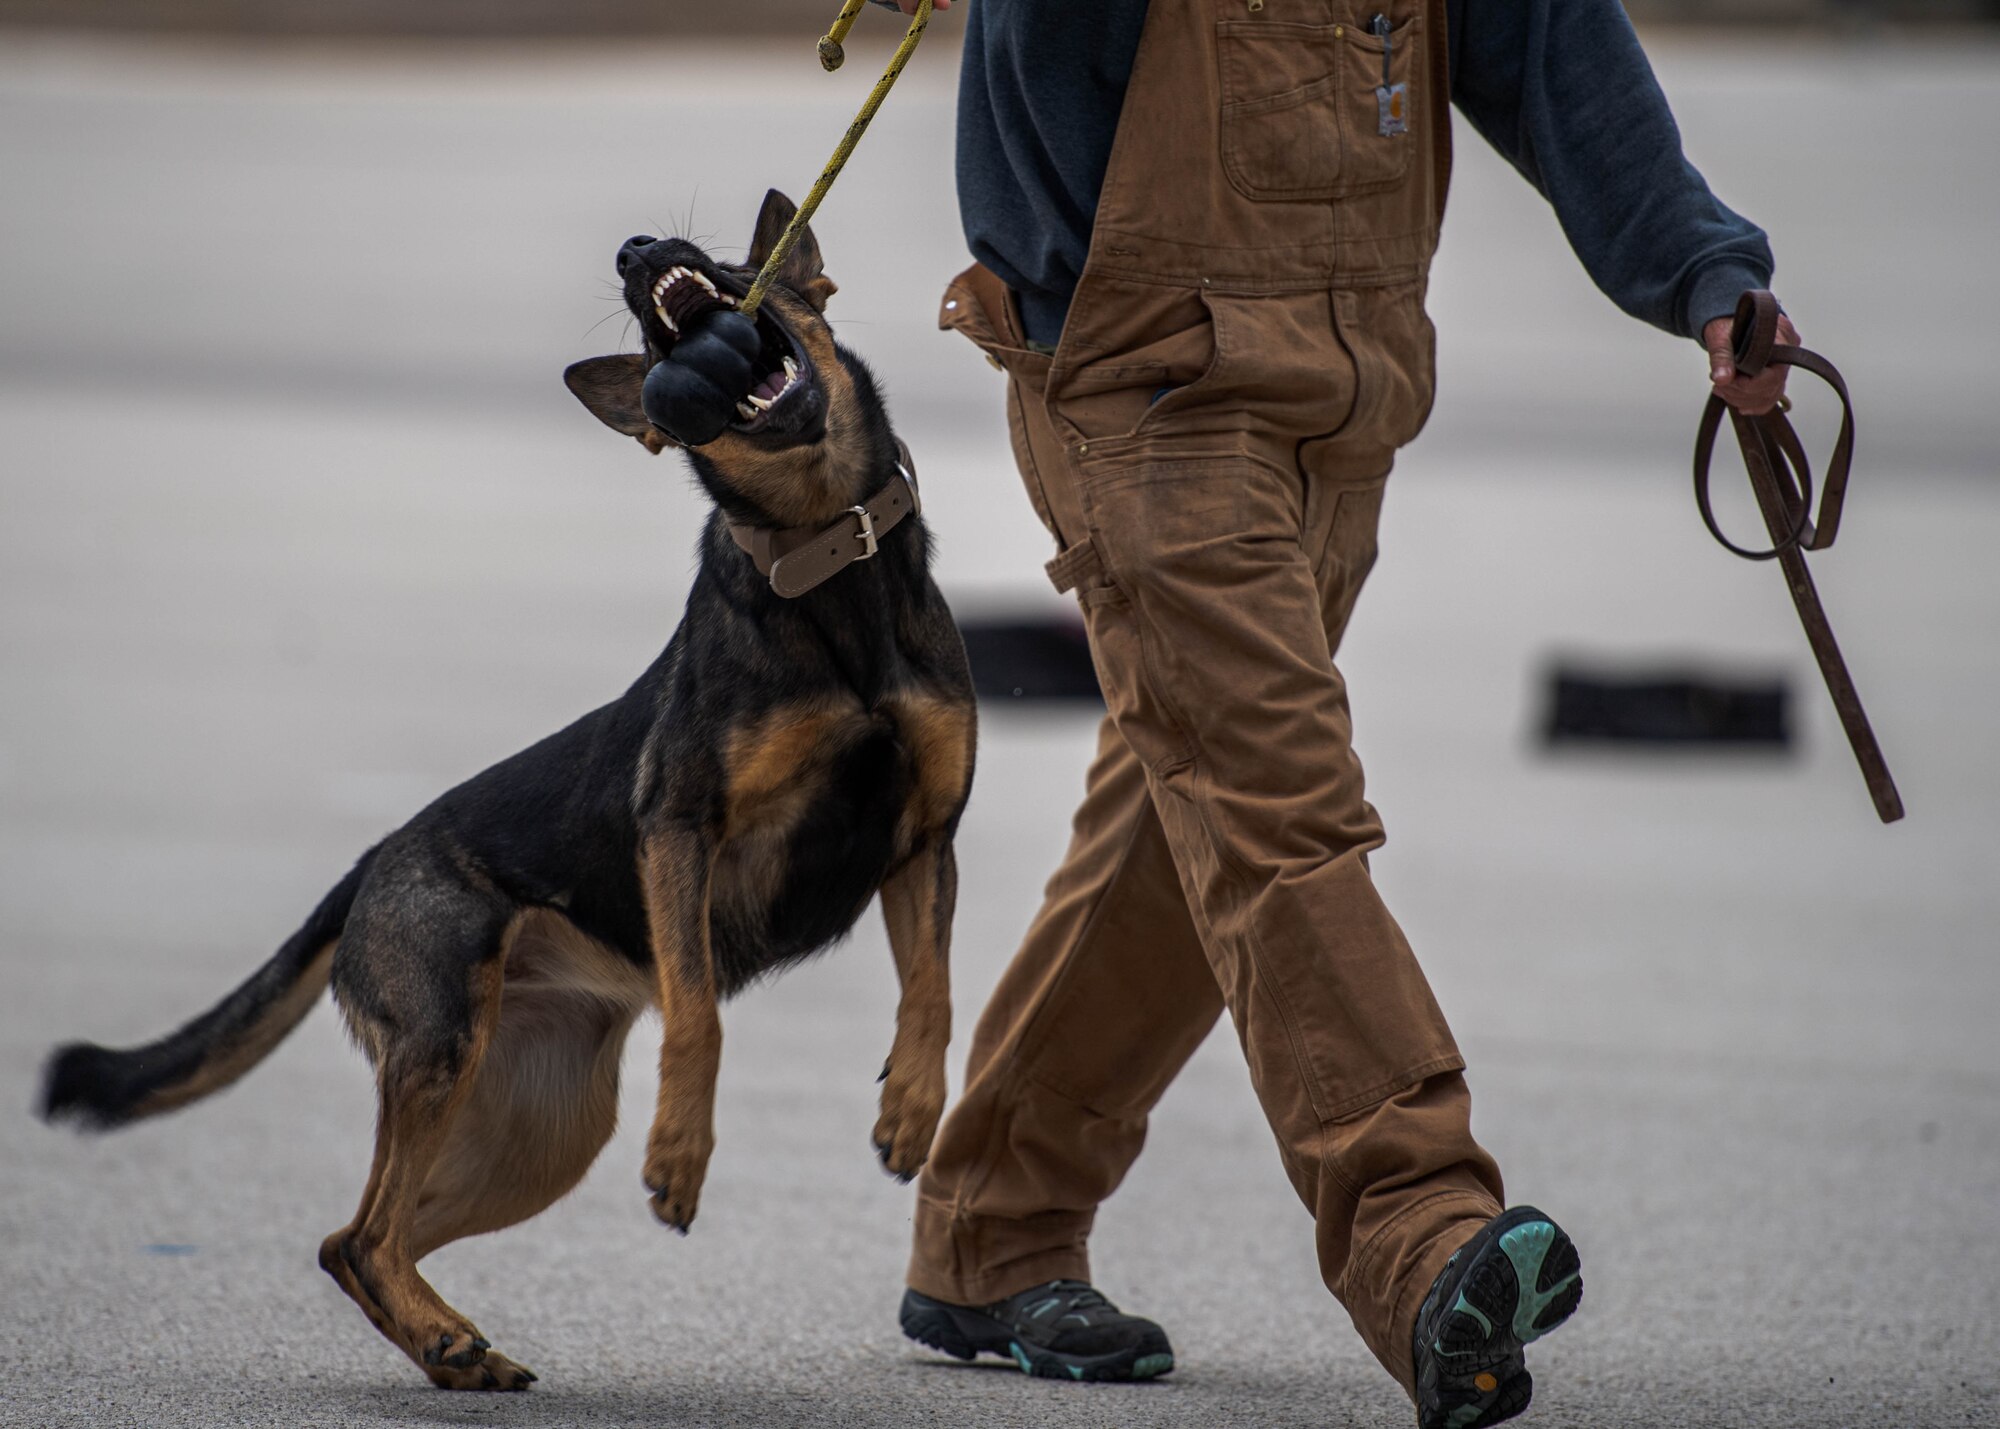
[629,253]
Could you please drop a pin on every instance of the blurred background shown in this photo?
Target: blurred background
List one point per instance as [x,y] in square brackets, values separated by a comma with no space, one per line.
[680,18]
[298,527]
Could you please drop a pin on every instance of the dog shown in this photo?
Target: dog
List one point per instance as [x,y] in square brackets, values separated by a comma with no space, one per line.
[804,744]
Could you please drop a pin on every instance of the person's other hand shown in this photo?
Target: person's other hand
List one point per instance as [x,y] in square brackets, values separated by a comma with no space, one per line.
[1750,395]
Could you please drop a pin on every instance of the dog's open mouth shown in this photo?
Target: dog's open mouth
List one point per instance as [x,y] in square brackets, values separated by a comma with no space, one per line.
[682,296]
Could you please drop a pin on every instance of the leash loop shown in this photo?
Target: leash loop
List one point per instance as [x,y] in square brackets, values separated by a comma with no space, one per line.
[831,54]
[1781,478]
[1772,452]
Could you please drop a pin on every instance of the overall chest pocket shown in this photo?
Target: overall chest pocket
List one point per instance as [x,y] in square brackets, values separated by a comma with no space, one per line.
[1316,111]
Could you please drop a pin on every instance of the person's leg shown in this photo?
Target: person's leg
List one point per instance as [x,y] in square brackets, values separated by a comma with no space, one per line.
[1105,1001]
[1425,1128]
[1107,998]
[1213,570]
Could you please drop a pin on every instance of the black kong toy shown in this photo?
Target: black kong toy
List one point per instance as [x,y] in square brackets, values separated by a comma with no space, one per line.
[694,392]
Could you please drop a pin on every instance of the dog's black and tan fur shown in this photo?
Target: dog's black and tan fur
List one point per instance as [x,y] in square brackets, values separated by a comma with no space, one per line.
[781,764]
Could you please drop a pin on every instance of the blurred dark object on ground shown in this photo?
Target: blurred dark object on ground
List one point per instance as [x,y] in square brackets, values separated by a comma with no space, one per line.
[758,17]
[1668,705]
[1030,659]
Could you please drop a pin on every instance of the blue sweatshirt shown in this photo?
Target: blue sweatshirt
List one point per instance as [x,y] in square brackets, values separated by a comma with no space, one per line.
[1559,87]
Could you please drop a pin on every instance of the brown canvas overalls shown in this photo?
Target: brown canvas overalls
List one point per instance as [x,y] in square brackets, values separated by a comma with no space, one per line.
[1208,444]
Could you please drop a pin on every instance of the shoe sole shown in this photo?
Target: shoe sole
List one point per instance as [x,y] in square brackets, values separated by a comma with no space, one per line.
[1524,1278]
[964,1334]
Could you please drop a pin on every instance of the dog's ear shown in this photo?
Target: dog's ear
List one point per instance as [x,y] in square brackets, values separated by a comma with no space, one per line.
[610,388]
[803,270]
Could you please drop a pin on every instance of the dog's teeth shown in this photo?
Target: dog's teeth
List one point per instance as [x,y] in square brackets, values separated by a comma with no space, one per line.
[791,369]
[747,412]
[760,403]
[672,326]
[702,278]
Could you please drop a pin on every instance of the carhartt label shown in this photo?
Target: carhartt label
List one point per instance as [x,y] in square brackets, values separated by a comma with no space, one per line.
[1393,102]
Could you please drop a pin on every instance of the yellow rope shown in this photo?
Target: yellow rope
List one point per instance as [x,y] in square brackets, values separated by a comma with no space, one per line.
[830,56]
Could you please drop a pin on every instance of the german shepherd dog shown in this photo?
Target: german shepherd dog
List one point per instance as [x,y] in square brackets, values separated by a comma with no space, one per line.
[783,762]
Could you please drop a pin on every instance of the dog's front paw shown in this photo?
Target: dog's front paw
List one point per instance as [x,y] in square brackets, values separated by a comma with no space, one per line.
[911,1108]
[675,1168]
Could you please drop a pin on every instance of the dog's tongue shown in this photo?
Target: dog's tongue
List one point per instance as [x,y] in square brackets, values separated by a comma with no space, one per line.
[689,305]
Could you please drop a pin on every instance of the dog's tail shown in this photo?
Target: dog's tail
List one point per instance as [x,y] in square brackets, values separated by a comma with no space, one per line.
[99,1088]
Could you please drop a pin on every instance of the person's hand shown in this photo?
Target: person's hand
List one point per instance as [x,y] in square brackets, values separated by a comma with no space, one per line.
[1752,396]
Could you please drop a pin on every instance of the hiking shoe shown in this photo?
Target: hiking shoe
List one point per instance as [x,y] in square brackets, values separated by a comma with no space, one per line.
[1508,1286]
[1061,1330]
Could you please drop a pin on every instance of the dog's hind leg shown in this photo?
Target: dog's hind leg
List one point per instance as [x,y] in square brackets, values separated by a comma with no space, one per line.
[545,1100]
[419,976]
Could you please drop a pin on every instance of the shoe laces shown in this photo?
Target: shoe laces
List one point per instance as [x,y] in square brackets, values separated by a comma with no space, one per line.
[1060,1299]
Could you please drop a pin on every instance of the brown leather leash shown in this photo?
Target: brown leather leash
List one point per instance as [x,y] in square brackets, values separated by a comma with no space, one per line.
[1781,477]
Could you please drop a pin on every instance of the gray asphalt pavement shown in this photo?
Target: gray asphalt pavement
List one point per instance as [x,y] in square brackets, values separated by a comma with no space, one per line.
[297,527]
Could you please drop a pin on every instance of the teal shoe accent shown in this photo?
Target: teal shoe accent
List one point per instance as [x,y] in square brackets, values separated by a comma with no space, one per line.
[1076,1371]
[1528,1246]
[1147,1366]
[1465,1306]
[1021,1358]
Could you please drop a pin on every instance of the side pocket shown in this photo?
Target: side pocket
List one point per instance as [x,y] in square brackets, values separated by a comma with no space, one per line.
[1271,363]
[1394,348]
[1278,368]
[1150,345]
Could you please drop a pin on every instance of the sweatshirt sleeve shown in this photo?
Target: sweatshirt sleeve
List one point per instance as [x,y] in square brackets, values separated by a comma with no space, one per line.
[1562,89]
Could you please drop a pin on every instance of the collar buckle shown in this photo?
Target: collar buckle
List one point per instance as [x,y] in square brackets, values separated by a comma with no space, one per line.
[866,534]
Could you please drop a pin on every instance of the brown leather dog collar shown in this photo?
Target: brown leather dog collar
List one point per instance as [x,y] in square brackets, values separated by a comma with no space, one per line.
[798,558]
